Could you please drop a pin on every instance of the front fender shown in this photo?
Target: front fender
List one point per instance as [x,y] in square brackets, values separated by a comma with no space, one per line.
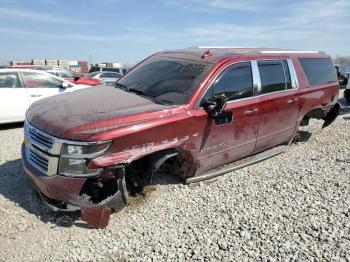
[131,154]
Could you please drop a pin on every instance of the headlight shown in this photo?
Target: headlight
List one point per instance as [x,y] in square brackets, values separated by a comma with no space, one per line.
[74,158]
[85,151]
[76,168]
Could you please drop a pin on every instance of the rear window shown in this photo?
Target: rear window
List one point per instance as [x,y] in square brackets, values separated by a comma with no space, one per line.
[318,70]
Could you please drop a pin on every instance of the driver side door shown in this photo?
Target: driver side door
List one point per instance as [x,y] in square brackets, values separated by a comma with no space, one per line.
[233,135]
[39,85]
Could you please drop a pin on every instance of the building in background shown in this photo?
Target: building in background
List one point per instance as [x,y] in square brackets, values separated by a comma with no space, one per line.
[74,65]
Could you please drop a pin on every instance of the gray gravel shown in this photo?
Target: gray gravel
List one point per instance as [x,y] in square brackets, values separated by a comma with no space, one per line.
[292,207]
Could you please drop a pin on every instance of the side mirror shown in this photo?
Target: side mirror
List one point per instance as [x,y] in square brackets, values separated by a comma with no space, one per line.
[215,106]
[65,85]
[76,78]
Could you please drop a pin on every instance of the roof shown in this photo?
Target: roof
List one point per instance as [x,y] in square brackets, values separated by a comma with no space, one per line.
[213,54]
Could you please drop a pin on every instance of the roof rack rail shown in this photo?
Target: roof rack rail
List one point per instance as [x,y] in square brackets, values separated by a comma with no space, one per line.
[220,47]
[289,52]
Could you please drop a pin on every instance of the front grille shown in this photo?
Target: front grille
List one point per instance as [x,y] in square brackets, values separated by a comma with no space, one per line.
[40,139]
[42,150]
[39,160]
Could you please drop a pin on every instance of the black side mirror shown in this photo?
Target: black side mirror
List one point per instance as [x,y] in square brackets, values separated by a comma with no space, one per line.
[76,78]
[215,106]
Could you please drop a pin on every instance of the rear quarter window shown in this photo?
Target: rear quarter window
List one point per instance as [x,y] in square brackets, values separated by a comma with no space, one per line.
[318,71]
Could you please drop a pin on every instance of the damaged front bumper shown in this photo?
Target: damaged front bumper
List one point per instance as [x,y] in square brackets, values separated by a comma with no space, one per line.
[66,194]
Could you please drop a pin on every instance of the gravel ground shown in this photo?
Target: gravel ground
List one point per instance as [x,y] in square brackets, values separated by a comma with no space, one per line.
[292,207]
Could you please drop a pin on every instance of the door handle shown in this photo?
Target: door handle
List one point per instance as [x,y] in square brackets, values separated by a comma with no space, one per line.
[292,101]
[251,112]
[35,95]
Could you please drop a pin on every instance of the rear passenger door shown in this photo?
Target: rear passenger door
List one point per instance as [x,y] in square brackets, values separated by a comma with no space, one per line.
[278,106]
[13,98]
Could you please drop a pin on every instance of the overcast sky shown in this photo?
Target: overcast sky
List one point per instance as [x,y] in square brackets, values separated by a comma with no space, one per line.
[128,30]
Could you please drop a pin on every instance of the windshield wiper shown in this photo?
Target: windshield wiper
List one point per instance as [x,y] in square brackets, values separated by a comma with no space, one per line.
[121,86]
[143,94]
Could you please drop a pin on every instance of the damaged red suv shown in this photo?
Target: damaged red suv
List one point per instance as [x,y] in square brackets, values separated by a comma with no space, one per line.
[198,112]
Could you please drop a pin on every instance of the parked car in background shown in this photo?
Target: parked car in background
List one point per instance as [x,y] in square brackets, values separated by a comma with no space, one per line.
[347,93]
[120,71]
[19,88]
[343,78]
[74,77]
[69,75]
[192,113]
[345,69]
[109,78]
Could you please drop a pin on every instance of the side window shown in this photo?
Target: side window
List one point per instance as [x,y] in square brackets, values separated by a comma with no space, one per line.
[104,75]
[9,80]
[235,82]
[35,80]
[66,74]
[272,76]
[318,71]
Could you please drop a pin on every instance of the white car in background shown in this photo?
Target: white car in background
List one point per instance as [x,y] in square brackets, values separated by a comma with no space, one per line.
[19,88]
[109,78]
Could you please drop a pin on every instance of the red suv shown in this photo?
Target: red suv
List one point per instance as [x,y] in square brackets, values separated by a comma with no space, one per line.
[193,112]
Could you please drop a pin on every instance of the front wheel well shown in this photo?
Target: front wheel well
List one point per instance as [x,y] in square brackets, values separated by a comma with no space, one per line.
[144,171]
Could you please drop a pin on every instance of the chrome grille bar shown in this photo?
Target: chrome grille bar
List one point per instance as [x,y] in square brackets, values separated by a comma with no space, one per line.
[39,139]
[38,160]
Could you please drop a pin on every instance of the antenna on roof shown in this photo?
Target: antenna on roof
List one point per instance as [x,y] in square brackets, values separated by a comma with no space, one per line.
[206,54]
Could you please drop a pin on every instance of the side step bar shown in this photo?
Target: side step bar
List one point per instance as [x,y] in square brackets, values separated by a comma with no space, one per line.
[238,164]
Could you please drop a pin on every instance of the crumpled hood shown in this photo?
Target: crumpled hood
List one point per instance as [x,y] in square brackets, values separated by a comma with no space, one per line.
[62,115]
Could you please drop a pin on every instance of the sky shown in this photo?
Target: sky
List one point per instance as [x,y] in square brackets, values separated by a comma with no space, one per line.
[129,30]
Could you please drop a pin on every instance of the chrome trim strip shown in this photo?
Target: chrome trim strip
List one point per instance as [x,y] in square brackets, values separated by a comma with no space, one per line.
[293,74]
[223,47]
[256,77]
[261,95]
[289,52]
[52,162]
